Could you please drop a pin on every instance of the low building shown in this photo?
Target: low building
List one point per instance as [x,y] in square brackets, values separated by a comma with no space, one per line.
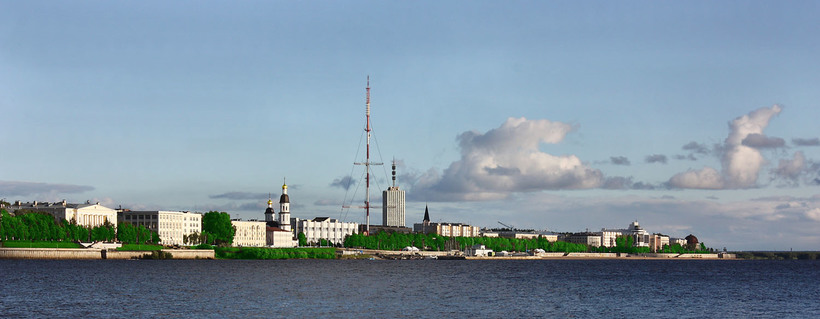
[88,214]
[478,250]
[325,228]
[171,226]
[279,238]
[586,238]
[679,241]
[445,229]
[250,233]
[657,242]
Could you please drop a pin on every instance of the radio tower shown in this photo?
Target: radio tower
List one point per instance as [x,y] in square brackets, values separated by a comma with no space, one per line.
[367,163]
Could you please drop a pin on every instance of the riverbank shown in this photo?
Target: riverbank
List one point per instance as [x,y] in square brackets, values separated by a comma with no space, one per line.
[92,253]
[254,253]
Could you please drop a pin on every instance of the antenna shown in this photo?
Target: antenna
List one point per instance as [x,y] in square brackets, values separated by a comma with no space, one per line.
[394,172]
[367,163]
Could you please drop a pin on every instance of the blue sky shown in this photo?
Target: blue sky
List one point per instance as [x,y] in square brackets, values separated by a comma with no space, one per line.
[695,117]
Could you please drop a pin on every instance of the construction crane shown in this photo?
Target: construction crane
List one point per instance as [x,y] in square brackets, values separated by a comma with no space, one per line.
[508,226]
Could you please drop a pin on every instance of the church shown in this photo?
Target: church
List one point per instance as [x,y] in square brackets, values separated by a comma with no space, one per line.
[279,232]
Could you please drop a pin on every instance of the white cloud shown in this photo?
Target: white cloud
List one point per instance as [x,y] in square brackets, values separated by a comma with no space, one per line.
[506,160]
[705,178]
[741,164]
[814,214]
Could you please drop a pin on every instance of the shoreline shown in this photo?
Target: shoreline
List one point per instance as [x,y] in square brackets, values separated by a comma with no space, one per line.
[349,253]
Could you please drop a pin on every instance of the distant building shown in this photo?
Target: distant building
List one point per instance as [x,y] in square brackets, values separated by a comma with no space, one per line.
[679,241]
[284,209]
[171,226]
[275,236]
[251,233]
[640,237]
[87,214]
[586,238]
[325,228]
[478,250]
[692,242]
[393,207]
[393,204]
[657,242]
[445,229]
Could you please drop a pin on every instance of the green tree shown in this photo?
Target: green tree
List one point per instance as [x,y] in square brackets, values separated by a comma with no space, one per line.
[218,227]
[303,239]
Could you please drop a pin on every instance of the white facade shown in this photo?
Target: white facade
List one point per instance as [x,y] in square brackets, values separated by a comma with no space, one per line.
[640,236]
[87,214]
[448,229]
[324,228]
[393,207]
[276,237]
[249,233]
[478,250]
[284,209]
[171,226]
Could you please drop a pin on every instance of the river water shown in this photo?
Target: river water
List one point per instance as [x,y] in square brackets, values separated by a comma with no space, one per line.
[409,289]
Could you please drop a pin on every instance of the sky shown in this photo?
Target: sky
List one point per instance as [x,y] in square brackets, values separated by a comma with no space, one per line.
[691,118]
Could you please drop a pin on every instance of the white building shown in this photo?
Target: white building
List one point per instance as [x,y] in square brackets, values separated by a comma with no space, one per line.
[275,236]
[393,207]
[640,237]
[324,228]
[171,226]
[445,229]
[284,209]
[250,233]
[478,250]
[393,204]
[87,214]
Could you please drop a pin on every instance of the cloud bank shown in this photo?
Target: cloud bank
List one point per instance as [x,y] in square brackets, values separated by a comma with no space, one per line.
[741,160]
[240,196]
[16,188]
[506,160]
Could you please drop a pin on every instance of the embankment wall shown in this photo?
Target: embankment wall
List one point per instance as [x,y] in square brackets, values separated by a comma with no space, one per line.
[80,253]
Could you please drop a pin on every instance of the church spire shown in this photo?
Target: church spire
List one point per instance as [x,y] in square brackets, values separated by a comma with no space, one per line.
[426,215]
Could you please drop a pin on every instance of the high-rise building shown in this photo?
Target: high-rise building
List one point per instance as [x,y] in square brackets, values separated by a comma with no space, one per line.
[393,204]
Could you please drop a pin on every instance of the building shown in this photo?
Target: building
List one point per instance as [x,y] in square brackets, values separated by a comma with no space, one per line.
[393,204]
[445,229]
[284,209]
[171,226]
[325,228]
[586,238]
[478,250]
[640,237]
[89,215]
[657,242]
[275,236]
[251,233]
[691,242]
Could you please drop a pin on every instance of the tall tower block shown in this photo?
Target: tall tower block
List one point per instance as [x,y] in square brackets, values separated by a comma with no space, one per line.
[393,204]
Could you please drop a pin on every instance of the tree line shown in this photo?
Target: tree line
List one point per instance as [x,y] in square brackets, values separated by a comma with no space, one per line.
[38,226]
[398,241]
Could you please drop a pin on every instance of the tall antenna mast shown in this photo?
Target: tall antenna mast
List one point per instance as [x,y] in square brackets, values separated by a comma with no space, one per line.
[367,162]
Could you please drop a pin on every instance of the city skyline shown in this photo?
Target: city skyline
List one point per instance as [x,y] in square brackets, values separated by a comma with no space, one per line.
[690,118]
